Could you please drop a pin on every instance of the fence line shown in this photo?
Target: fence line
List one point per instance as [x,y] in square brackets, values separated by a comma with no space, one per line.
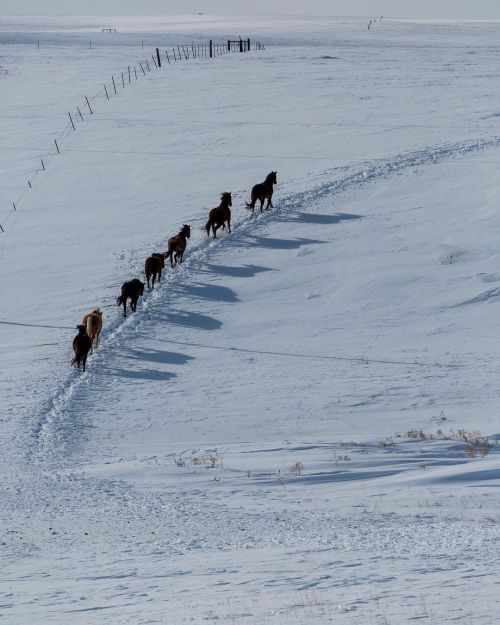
[80,115]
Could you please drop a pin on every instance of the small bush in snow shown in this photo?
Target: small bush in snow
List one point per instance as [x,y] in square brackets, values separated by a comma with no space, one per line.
[297,468]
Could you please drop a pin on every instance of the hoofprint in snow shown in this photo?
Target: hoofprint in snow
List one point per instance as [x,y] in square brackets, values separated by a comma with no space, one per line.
[287,431]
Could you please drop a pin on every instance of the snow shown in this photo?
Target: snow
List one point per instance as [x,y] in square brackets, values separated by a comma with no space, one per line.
[157,487]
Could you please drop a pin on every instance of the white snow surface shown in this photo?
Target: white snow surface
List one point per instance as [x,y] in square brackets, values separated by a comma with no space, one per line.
[157,487]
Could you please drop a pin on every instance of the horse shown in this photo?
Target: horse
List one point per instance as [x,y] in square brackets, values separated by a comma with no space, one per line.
[133,290]
[81,346]
[93,326]
[219,216]
[177,245]
[263,192]
[153,266]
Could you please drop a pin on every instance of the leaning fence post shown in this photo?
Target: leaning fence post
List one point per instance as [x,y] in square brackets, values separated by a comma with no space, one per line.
[43,165]
[140,65]
[158,57]
[154,60]
[114,86]
[1,228]
[71,120]
[88,103]
[107,96]
[135,72]
[14,206]
[123,81]
[79,113]
[166,52]
[57,147]
[147,65]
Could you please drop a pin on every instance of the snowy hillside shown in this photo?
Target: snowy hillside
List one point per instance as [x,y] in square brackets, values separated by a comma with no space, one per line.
[301,423]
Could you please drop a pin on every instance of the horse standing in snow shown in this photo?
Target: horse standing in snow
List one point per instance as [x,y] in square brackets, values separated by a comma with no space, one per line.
[153,266]
[133,290]
[177,245]
[93,326]
[82,344]
[263,192]
[221,215]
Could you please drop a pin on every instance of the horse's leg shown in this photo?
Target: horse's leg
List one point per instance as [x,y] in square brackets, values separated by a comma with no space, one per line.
[270,200]
[229,224]
[84,361]
[214,230]
[147,278]
[262,199]
[125,306]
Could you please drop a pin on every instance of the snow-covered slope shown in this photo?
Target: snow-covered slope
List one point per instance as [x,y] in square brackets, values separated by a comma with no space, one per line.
[300,424]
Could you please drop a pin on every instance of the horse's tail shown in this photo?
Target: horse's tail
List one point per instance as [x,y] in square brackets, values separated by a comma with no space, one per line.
[89,325]
[207,227]
[250,205]
[73,362]
[119,300]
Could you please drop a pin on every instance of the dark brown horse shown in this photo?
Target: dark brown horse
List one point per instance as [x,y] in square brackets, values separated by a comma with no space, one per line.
[263,192]
[133,290]
[153,266]
[81,346]
[221,215]
[177,245]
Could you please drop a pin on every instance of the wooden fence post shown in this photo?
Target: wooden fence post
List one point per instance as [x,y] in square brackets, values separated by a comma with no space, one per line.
[140,65]
[211,49]
[154,60]
[229,45]
[88,104]
[79,113]
[71,120]
[57,147]
[123,81]
[106,91]
[135,72]
[147,65]
[158,57]
[166,52]
[129,74]
[114,86]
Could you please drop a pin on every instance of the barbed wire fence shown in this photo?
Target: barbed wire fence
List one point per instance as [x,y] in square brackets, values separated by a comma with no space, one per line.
[159,59]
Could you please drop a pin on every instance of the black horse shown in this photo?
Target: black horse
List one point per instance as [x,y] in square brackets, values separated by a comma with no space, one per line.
[82,344]
[133,290]
[221,215]
[263,192]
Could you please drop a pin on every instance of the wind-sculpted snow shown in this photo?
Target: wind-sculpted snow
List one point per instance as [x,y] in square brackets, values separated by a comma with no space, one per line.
[300,424]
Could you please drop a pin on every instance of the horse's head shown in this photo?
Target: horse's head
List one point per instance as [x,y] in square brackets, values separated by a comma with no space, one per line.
[226,198]
[81,329]
[186,231]
[97,311]
[272,177]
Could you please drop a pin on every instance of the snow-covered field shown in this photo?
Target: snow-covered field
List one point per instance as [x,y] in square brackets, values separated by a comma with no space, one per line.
[350,333]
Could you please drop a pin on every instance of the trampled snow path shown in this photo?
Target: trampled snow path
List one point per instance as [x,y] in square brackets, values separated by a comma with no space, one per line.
[47,424]
[336,321]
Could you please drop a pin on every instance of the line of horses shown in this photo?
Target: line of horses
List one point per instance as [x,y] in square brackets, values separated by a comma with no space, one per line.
[220,216]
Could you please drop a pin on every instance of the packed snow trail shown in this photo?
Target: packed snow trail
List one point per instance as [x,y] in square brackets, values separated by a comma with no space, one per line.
[115,332]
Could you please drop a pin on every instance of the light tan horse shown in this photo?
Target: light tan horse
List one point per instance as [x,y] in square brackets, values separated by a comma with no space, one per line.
[93,325]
